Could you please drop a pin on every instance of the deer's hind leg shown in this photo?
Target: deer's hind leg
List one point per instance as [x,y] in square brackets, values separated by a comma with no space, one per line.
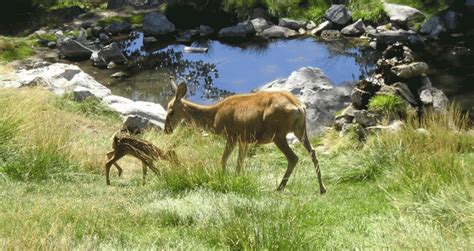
[242,152]
[227,151]
[119,169]
[113,158]
[303,137]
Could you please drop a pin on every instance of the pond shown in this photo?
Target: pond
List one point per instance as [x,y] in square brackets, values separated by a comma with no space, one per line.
[239,68]
[231,68]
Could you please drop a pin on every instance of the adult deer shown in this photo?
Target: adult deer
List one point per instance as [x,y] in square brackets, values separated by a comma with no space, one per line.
[260,118]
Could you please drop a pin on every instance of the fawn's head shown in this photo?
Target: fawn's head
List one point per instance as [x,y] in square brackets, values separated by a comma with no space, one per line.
[175,113]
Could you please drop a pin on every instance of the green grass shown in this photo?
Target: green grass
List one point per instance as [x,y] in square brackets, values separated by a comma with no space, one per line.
[132,19]
[395,191]
[15,48]
[90,107]
[387,104]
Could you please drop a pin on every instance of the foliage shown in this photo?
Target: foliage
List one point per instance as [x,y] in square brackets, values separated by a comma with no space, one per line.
[15,48]
[387,104]
[369,10]
[132,19]
[90,107]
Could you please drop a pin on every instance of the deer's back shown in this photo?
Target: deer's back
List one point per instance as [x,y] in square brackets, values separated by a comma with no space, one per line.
[260,116]
[138,148]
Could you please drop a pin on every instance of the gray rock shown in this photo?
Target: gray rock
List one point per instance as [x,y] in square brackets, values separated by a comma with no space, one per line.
[74,50]
[137,123]
[355,29]
[360,98]
[310,25]
[51,44]
[414,69]
[291,23]
[110,53]
[435,98]
[338,14]
[205,30]
[394,127]
[278,32]
[321,98]
[326,25]
[149,40]
[260,24]
[97,30]
[155,113]
[301,31]
[82,93]
[156,24]
[119,75]
[366,118]
[104,38]
[239,31]
[369,30]
[330,34]
[118,28]
[403,15]
[390,37]
[58,78]
[405,92]
[433,27]
[452,20]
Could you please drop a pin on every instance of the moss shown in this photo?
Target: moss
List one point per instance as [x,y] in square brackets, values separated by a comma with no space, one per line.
[133,19]
[388,104]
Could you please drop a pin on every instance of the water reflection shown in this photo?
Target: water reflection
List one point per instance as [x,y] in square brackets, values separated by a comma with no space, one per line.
[236,68]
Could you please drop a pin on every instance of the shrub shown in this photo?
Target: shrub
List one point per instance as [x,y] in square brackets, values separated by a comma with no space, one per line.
[387,104]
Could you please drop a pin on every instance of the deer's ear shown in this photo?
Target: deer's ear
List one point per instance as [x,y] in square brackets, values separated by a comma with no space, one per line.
[181,91]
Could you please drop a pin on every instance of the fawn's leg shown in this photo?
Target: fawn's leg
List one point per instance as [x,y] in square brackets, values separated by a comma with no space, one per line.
[145,171]
[116,156]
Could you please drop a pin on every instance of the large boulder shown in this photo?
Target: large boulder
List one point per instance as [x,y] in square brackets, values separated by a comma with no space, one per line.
[434,27]
[58,78]
[278,32]
[321,98]
[239,31]
[355,29]
[74,50]
[291,23]
[156,24]
[338,14]
[154,113]
[402,14]
[260,24]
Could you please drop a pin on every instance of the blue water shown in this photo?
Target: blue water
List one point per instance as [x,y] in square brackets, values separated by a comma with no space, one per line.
[241,68]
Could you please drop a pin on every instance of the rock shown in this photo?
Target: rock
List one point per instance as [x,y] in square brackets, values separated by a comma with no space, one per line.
[156,24]
[239,31]
[338,14]
[58,78]
[310,25]
[97,30]
[301,31]
[370,84]
[321,98]
[330,34]
[366,118]
[326,25]
[422,131]
[452,20]
[405,92]
[355,29]
[390,37]
[82,93]
[137,124]
[433,27]
[104,38]
[291,24]
[415,40]
[260,24]
[110,53]
[435,98]
[51,44]
[278,32]
[117,28]
[155,113]
[394,127]
[415,69]
[205,30]
[119,75]
[373,45]
[370,31]
[184,38]
[63,15]
[360,98]
[59,33]
[74,50]
[149,40]
[403,15]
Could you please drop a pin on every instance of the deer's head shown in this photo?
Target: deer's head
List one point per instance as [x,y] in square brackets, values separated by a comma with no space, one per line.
[175,113]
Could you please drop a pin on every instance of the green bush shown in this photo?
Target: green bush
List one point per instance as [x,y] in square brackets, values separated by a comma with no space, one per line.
[15,49]
[90,107]
[387,104]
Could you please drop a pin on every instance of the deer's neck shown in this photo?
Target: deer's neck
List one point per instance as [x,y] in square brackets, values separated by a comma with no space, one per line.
[200,115]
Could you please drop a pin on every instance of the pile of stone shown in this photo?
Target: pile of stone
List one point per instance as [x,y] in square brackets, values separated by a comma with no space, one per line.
[397,74]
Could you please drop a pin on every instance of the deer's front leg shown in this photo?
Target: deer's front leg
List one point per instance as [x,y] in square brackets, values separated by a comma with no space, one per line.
[227,151]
